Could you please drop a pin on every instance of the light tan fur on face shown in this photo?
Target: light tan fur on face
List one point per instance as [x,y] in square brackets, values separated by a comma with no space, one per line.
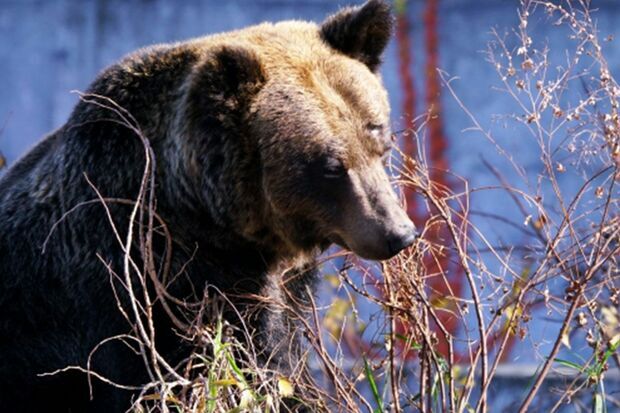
[334,105]
[319,103]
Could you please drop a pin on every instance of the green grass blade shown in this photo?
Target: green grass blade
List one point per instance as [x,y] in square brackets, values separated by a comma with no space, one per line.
[569,364]
[373,386]
[597,406]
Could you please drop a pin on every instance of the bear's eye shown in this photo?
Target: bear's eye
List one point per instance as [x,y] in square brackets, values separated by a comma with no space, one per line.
[380,134]
[334,168]
[376,131]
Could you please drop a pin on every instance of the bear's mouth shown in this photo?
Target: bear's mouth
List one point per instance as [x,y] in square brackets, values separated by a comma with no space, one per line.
[336,239]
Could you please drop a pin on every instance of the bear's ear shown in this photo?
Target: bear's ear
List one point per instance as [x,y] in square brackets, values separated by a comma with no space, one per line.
[223,86]
[360,32]
[238,70]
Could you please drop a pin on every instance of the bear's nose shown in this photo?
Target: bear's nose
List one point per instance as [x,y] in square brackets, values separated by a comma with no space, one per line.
[404,239]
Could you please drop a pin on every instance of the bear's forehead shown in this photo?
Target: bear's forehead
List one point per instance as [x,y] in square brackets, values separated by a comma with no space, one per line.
[294,50]
[333,99]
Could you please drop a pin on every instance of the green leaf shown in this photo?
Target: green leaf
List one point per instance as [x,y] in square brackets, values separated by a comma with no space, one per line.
[373,386]
[569,364]
[413,345]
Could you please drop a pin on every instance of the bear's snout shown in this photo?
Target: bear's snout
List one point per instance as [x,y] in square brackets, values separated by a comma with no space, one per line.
[378,246]
[384,241]
[402,239]
[373,224]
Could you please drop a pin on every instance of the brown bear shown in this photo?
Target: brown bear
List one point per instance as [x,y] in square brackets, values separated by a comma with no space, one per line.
[268,144]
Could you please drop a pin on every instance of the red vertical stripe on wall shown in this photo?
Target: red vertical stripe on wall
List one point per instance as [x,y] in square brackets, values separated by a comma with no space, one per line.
[403,41]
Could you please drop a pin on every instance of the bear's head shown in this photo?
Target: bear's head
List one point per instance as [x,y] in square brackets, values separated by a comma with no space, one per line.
[315,116]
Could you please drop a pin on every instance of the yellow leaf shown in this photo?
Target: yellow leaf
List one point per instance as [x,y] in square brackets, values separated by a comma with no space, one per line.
[335,316]
[285,387]
[333,280]
[151,397]
[157,396]
[565,340]
[225,382]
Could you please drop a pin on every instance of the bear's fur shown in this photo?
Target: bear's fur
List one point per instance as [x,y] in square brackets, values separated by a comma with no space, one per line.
[268,145]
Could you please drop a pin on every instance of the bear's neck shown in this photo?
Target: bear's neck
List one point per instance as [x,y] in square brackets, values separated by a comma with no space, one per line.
[219,241]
